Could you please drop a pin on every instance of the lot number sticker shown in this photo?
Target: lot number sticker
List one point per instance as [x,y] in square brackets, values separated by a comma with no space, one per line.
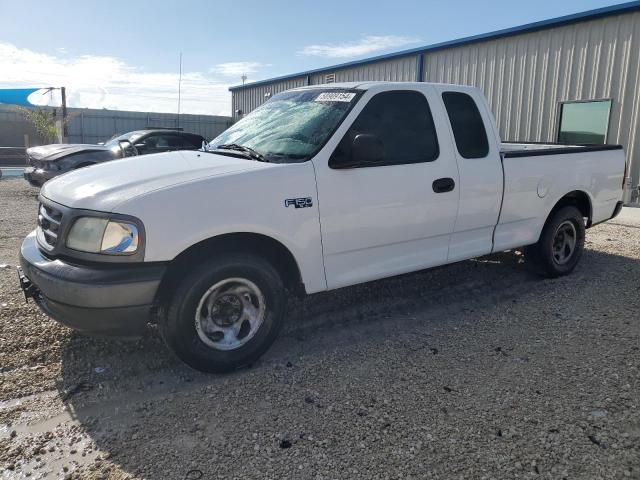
[335,97]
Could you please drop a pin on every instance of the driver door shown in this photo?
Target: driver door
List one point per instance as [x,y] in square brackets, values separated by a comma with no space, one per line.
[386,219]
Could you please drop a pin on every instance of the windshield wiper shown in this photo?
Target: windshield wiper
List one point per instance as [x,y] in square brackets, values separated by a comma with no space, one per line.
[250,152]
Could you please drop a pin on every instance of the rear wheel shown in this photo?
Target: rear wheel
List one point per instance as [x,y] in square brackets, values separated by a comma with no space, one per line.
[225,313]
[561,243]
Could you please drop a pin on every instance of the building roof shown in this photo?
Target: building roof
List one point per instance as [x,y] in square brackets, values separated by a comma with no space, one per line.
[529,27]
[369,84]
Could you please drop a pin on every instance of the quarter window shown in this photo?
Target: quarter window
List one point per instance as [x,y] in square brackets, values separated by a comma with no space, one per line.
[467,125]
[584,122]
[402,121]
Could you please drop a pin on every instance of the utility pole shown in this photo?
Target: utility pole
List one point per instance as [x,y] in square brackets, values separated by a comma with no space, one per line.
[63,92]
[179,88]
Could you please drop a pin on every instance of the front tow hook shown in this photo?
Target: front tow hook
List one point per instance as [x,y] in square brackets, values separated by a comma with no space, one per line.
[28,288]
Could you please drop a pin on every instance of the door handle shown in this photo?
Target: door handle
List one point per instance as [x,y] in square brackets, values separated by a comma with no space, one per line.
[443,185]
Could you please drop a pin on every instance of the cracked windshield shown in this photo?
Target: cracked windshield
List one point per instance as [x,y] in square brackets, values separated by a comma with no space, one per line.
[292,125]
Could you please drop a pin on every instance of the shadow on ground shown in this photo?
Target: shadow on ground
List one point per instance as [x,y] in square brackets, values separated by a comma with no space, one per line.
[159,419]
[361,305]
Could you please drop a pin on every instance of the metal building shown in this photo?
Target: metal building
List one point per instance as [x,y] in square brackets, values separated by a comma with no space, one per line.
[88,125]
[539,78]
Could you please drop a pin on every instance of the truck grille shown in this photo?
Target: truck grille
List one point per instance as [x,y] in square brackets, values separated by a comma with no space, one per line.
[49,223]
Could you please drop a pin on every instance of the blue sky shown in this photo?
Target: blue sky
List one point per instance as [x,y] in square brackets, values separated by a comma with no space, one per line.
[124,54]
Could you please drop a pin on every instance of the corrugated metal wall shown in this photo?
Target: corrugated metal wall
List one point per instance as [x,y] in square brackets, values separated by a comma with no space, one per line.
[525,77]
[395,70]
[13,127]
[248,99]
[93,126]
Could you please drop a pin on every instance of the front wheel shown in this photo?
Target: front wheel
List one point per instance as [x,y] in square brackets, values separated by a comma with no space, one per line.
[561,243]
[225,313]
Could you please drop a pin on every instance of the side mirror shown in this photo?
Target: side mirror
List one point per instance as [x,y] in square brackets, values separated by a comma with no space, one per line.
[367,149]
[140,145]
[125,145]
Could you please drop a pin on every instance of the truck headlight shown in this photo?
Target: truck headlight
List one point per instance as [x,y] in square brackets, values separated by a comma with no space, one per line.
[101,235]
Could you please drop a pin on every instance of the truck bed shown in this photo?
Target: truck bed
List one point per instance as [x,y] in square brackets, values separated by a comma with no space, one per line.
[534,185]
[529,149]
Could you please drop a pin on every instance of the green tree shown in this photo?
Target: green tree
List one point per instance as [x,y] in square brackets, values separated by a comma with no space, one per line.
[43,120]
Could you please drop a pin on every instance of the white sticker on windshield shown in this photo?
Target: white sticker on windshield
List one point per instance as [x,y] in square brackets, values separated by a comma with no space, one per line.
[335,97]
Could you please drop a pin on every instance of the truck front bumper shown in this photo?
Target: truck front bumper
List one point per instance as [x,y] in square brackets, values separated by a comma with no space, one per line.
[102,300]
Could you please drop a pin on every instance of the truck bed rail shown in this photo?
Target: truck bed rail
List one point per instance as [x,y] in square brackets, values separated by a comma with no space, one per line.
[530,149]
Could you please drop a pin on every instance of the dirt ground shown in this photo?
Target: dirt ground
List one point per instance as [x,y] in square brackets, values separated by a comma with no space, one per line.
[477,370]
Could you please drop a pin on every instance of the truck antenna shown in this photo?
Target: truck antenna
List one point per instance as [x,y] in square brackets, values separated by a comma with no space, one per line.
[179,88]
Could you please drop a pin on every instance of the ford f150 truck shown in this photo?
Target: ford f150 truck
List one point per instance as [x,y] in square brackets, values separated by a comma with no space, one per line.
[319,188]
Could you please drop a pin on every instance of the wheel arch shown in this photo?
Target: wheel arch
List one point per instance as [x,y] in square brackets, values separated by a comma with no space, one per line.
[576,198]
[262,245]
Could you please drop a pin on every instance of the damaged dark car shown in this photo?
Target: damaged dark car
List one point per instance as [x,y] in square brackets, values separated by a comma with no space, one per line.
[49,161]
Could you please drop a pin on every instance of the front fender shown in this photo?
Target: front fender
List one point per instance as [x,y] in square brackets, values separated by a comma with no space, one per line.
[183,215]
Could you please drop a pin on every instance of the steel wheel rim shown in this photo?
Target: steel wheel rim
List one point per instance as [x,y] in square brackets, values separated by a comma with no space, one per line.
[564,244]
[230,313]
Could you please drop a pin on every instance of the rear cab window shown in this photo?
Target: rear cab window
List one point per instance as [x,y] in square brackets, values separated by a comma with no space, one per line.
[466,122]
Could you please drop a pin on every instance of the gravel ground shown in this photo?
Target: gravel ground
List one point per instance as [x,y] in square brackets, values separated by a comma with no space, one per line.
[477,370]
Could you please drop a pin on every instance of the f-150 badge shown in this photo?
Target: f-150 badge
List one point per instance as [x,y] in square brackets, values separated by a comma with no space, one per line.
[299,202]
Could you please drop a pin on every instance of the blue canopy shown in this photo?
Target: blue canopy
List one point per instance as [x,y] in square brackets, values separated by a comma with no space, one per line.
[17,96]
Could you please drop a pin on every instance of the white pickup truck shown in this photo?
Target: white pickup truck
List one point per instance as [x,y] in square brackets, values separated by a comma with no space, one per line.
[319,188]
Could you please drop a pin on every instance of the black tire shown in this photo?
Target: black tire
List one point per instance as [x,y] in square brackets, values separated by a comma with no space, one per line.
[178,327]
[551,262]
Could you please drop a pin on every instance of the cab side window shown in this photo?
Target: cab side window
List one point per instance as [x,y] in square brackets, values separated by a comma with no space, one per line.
[467,125]
[402,121]
[175,142]
[154,144]
[190,142]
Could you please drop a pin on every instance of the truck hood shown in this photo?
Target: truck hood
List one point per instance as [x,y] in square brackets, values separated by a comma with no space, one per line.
[104,186]
[56,151]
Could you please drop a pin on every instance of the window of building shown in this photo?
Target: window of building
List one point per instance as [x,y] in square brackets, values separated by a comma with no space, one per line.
[584,122]
[402,121]
[467,125]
